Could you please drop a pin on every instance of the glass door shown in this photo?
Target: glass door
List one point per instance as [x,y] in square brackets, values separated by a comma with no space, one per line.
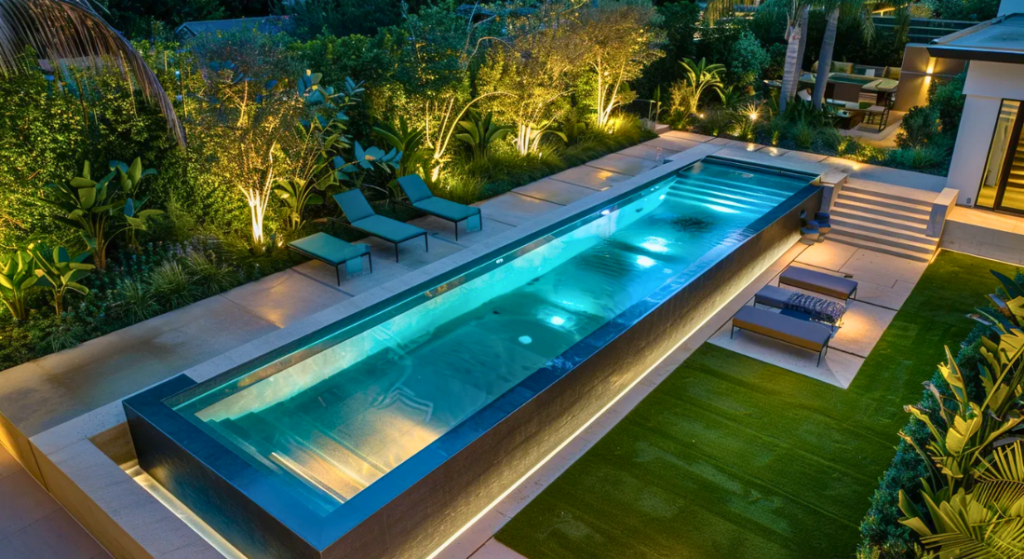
[1002,185]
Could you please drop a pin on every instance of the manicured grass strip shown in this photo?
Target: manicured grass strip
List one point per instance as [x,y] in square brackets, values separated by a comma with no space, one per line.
[731,457]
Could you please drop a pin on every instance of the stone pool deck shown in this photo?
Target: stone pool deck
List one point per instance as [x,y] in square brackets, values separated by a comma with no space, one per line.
[51,407]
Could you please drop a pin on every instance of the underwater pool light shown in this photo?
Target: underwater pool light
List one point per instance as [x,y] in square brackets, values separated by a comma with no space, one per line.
[525,340]
[645,261]
[605,212]
[557,320]
[655,244]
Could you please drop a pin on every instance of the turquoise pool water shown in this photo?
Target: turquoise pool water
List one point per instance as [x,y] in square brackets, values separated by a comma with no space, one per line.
[375,393]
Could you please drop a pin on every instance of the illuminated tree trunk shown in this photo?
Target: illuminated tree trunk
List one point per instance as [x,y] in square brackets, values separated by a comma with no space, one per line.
[828,44]
[790,74]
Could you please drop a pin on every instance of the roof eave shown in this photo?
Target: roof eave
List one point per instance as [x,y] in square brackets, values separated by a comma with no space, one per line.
[985,55]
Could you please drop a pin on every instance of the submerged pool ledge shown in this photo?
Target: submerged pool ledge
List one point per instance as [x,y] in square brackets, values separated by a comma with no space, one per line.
[415,507]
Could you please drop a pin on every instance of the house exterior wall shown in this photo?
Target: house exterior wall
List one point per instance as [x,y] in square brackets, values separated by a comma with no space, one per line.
[988,83]
[1011,7]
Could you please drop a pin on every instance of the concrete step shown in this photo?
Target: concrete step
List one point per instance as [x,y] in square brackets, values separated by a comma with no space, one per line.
[882,239]
[864,191]
[885,213]
[886,203]
[885,228]
[868,245]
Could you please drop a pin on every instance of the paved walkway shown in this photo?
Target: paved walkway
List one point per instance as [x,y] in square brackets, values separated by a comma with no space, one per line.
[33,525]
[53,390]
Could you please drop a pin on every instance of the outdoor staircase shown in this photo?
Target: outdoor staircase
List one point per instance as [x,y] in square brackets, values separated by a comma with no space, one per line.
[1016,178]
[882,222]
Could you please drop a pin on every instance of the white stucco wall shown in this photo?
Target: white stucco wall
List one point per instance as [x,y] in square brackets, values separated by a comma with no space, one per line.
[988,83]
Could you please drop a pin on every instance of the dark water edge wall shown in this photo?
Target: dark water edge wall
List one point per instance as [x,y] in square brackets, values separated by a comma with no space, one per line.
[422,518]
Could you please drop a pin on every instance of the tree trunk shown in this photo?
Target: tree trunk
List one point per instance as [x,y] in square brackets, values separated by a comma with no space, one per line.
[790,72]
[803,41]
[828,44]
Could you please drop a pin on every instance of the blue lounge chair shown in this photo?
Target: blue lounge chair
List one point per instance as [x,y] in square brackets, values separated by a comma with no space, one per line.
[333,251]
[362,217]
[424,200]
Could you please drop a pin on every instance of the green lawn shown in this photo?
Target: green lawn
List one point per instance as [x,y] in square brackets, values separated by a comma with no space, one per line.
[734,458]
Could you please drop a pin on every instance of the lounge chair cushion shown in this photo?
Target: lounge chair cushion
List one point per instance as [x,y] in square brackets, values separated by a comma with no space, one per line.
[800,333]
[771,296]
[354,204]
[388,229]
[447,209]
[818,282]
[329,249]
[842,67]
[892,73]
[415,188]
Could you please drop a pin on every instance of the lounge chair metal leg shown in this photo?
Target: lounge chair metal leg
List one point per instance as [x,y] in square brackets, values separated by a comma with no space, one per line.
[456,231]
[369,256]
[396,252]
[732,332]
[426,244]
[337,272]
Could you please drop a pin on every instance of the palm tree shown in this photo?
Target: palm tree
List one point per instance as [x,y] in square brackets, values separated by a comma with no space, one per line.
[833,9]
[796,16]
[71,29]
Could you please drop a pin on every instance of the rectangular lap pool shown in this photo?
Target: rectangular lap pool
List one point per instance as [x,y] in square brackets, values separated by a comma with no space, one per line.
[316,450]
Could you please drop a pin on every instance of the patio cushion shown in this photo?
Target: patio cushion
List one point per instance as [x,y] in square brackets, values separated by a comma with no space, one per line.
[891,73]
[818,282]
[388,229]
[842,67]
[771,296]
[329,249]
[415,188]
[447,209]
[800,333]
[354,204]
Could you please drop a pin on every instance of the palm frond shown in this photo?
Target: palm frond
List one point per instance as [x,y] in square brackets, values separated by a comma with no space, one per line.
[72,30]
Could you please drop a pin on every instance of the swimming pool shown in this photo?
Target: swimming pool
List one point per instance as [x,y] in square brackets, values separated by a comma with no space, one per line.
[323,434]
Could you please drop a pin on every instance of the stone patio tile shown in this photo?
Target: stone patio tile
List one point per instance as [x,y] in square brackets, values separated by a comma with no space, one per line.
[668,142]
[837,367]
[774,151]
[56,536]
[805,155]
[889,297]
[624,164]
[384,267]
[514,209]
[494,549]
[831,256]
[590,177]
[687,136]
[558,192]
[443,229]
[8,465]
[880,268]
[22,502]
[749,146]
[863,326]
[287,296]
[898,177]
[650,151]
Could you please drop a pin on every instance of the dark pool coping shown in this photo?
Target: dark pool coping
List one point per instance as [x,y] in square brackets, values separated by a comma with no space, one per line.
[321,532]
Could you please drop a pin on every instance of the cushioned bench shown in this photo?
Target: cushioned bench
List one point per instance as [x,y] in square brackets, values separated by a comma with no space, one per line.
[801,333]
[333,251]
[818,282]
[817,309]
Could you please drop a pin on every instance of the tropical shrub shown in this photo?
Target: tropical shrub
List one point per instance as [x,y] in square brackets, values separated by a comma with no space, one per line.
[948,99]
[60,272]
[747,59]
[17,279]
[920,125]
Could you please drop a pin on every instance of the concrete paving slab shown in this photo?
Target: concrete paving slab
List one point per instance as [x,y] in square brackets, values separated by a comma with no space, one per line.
[287,296]
[805,156]
[774,151]
[515,209]
[590,177]
[623,164]
[557,192]
[670,143]
[831,256]
[8,465]
[443,229]
[748,146]
[56,536]
[24,502]
[687,136]
[863,326]
[888,175]
[883,269]
[837,367]
[651,152]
